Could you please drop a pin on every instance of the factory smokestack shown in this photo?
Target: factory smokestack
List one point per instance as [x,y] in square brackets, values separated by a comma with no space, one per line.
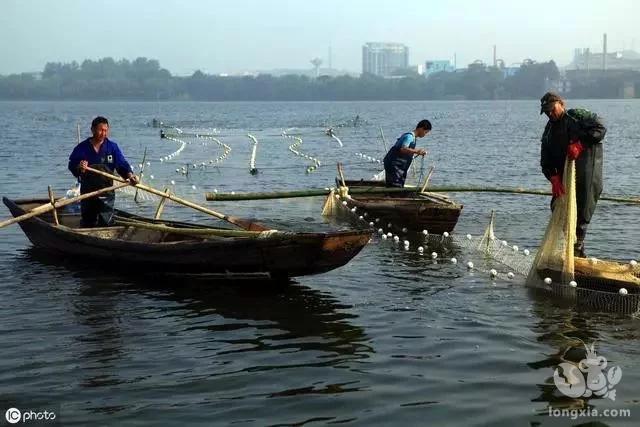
[604,52]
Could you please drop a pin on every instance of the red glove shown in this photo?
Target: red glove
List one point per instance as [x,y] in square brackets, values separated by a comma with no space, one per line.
[575,149]
[557,189]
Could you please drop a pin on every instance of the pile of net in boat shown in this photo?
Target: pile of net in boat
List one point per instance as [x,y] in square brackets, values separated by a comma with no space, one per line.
[606,284]
[589,282]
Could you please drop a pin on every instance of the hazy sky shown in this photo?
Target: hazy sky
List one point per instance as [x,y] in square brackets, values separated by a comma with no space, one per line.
[235,35]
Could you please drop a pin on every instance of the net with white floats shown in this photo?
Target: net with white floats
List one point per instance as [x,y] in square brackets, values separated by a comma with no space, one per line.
[587,282]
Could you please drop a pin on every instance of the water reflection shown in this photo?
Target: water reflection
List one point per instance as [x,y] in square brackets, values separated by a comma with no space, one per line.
[229,320]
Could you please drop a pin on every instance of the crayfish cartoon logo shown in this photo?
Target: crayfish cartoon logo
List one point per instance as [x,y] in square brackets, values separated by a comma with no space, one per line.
[588,378]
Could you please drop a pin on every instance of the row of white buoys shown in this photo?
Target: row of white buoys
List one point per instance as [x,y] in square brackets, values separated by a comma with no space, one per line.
[294,149]
[334,137]
[175,153]
[252,160]
[337,140]
[445,238]
[573,284]
[368,158]
[380,176]
[406,244]
[226,149]
[141,169]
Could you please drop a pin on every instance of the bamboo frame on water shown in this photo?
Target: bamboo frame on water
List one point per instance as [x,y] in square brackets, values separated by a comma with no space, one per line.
[314,192]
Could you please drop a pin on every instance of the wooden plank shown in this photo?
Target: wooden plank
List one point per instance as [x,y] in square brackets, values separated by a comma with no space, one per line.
[160,207]
[53,203]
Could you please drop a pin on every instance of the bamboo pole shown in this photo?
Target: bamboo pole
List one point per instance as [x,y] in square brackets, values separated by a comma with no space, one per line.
[314,192]
[243,223]
[341,173]
[144,159]
[381,190]
[53,203]
[195,232]
[426,181]
[60,203]
[384,141]
[160,207]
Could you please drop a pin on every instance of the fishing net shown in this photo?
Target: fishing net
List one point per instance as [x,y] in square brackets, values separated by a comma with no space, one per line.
[330,207]
[589,283]
[555,255]
[592,284]
[556,261]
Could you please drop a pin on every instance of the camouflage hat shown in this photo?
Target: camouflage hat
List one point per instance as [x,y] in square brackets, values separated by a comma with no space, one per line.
[547,101]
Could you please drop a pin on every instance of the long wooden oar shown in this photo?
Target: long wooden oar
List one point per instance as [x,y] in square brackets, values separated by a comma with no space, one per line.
[58,204]
[242,223]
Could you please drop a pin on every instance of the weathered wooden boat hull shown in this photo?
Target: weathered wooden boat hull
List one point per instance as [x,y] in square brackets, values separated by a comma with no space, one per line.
[414,211]
[284,255]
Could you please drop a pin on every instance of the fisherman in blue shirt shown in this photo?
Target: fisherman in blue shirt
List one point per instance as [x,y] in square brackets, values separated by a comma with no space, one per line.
[98,152]
[399,158]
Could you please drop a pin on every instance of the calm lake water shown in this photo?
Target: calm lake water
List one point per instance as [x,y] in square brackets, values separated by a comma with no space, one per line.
[392,338]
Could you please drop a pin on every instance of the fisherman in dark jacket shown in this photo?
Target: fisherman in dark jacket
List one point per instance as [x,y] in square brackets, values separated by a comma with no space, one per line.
[399,158]
[576,134]
[98,152]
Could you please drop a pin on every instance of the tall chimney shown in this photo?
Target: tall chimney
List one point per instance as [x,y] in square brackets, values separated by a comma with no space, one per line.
[604,52]
[495,63]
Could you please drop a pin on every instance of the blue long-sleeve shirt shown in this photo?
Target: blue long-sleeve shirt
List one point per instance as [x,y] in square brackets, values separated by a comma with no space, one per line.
[109,156]
[395,157]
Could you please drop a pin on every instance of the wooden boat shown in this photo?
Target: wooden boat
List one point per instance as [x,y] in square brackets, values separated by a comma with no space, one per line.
[413,210]
[178,247]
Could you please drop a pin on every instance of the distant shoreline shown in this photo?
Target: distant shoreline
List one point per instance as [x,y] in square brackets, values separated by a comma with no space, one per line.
[177,101]
[144,80]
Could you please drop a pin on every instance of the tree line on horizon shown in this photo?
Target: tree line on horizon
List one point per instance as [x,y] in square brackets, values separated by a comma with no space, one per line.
[145,79]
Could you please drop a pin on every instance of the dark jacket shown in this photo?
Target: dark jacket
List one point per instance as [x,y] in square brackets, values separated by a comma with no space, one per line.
[585,126]
[109,159]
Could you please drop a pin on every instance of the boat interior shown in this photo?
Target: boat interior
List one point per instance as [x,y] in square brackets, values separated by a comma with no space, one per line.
[129,232]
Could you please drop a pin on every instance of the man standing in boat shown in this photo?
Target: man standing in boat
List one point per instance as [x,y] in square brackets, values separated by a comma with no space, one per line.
[98,152]
[399,158]
[575,134]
